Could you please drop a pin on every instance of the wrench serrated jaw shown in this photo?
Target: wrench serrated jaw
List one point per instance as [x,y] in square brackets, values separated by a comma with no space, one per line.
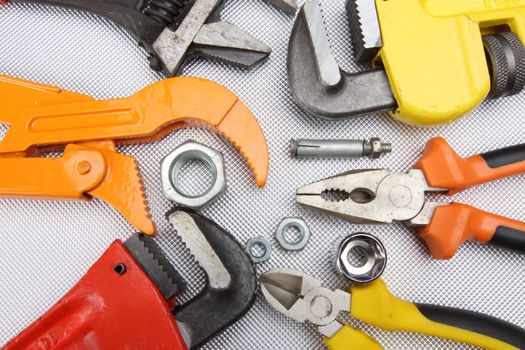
[364,29]
[155,264]
[318,84]
[241,129]
[227,43]
[329,72]
[200,34]
[231,281]
[200,248]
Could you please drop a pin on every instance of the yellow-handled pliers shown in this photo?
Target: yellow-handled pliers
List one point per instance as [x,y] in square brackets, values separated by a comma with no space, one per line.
[303,298]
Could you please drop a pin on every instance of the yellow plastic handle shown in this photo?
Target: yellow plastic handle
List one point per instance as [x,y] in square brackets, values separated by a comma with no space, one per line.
[351,338]
[375,305]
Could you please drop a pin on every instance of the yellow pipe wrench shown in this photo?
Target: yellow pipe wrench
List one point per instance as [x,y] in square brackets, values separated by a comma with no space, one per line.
[435,60]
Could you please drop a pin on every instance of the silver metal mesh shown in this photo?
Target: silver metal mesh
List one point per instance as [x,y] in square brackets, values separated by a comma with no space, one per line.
[48,245]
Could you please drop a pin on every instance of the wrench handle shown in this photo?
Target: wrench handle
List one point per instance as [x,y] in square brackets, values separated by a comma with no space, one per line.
[122,12]
[443,168]
[453,224]
[114,306]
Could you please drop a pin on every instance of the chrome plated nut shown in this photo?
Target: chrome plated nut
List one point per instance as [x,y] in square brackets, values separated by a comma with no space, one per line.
[304,234]
[173,162]
[361,257]
[264,246]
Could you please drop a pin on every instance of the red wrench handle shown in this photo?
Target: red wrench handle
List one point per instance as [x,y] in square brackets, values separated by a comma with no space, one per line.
[443,168]
[114,306]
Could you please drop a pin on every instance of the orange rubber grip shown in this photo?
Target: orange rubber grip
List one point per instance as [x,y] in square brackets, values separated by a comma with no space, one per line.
[443,168]
[453,224]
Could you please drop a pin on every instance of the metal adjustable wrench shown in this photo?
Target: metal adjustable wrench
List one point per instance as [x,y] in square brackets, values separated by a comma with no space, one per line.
[371,196]
[434,60]
[126,299]
[173,31]
[45,118]
[304,298]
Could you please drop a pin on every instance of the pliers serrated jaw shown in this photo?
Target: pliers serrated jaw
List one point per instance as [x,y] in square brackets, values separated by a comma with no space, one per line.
[376,196]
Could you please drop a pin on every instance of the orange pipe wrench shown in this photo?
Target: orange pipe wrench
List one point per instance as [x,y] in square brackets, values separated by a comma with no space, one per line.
[44,118]
[380,196]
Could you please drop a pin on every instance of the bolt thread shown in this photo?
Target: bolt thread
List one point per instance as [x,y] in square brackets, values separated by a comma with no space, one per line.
[368,147]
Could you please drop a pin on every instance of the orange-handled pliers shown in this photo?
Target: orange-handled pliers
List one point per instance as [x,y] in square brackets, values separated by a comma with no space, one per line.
[381,196]
[45,118]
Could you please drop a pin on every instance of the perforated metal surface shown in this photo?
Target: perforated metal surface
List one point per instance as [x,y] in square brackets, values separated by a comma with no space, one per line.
[47,246]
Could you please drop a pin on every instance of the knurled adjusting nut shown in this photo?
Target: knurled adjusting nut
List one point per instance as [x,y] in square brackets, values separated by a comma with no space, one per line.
[170,172]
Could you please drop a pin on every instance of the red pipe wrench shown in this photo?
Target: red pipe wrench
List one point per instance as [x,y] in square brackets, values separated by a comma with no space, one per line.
[126,299]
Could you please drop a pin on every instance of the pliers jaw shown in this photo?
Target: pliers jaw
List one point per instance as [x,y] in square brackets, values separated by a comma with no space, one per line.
[368,196]
[303,298]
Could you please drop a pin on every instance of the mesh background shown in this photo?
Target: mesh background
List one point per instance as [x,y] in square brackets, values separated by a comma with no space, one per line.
[47,246]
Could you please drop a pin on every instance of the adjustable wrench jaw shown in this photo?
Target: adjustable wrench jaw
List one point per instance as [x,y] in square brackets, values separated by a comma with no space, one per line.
[200,33]
[317,83]
[174,31]
[231,279]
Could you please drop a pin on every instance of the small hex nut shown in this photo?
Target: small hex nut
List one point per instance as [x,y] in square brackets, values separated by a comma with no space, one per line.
[263,244]
[304,234]
[377,148]
[174,161]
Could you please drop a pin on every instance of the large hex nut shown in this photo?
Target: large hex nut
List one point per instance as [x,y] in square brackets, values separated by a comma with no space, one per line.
[173,162]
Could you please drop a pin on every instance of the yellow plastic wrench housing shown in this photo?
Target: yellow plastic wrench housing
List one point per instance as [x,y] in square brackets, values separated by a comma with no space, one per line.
[434,57]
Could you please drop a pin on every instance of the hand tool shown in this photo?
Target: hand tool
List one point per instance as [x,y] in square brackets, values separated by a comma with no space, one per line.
[360,257]
[434,60]
[303,298]
[305,148]
[44,118]
[172,31]
[126,299]
[173,163]
[381,197]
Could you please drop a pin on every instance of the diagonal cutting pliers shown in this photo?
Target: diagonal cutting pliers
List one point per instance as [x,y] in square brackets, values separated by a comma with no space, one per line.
[380,196]
[303,298]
